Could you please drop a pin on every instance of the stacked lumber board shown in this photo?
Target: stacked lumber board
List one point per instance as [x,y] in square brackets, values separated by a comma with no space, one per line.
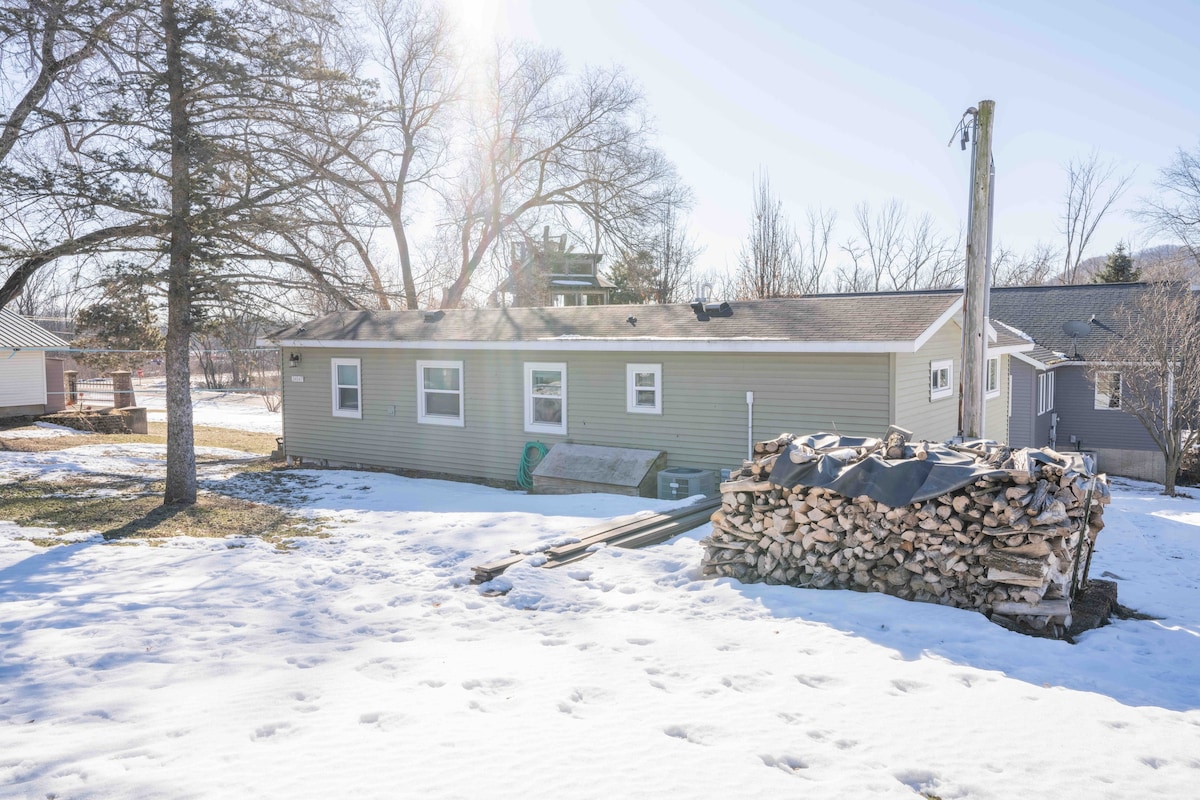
[1012,544]
[641,531]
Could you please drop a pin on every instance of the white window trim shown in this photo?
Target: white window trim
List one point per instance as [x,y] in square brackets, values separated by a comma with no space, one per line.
[334,363]
[631,389]
[424,418]
[527,388]
[993,392]
[1045,393]
[1120,393]
[947,390]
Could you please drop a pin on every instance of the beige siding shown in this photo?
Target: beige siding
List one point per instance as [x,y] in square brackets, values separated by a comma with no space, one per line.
[704,421]
[22,378]
[935,420]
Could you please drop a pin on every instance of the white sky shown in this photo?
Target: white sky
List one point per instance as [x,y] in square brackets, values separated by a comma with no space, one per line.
[850,101]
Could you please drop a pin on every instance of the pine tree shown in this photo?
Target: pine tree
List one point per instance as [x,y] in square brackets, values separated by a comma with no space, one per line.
[1118,268]
[634,278]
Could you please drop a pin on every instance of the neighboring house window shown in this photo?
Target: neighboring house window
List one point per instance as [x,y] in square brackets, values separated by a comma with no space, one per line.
[546,398]
[993,377]
[1108,390]
[347,387]
[643,388]
[440,393]
[940,375]
[1045,392]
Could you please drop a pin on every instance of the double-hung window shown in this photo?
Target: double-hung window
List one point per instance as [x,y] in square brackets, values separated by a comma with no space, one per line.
[643,388]
[1108,390]
[941,373]
[347,387]
[1045,400]
[546,398]
[440,393]
[992,386]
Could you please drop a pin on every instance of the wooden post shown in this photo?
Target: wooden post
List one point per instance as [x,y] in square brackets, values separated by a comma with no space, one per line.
[974,349]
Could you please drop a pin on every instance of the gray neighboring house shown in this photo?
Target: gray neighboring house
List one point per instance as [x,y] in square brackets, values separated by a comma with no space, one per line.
[24,366]
[1053,400]
[460,392]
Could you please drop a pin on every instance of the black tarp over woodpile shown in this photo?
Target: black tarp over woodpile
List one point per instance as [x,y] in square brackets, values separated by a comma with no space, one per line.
[978,526]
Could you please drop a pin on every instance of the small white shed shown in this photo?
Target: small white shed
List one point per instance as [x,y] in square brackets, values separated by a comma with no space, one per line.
[23,346]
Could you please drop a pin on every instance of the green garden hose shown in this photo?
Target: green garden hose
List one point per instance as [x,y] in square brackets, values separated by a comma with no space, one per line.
[528,463]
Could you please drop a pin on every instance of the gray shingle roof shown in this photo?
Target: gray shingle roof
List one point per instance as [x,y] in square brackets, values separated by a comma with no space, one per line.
[899,317]
[18,332]
[1036,352]
[1040,311]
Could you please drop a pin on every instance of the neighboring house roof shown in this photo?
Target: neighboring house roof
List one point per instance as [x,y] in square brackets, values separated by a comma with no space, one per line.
[18,333]
[1038,356]
[1041,311]
[888,322]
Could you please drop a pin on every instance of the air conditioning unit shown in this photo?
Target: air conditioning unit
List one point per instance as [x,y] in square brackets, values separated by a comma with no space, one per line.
[676,483]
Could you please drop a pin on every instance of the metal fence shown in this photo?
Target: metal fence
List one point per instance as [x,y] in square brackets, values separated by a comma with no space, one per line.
[92,393]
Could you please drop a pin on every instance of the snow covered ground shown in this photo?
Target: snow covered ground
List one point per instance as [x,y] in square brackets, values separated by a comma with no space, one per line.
[365,665]
[241,410]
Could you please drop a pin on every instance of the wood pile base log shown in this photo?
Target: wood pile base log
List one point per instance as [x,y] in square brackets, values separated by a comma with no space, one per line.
[1012,546]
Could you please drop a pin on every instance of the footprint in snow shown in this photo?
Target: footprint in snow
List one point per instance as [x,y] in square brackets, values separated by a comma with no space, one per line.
[493,686]
[816,681]
[305,663]
[687,733]
[270,731]
[787,763]
[908,686]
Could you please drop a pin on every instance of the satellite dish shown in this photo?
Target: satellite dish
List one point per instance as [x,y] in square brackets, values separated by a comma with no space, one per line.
[1075,328]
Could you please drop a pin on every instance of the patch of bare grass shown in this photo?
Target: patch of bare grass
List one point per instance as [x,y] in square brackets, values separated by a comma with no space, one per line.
[126,510]
[205,436]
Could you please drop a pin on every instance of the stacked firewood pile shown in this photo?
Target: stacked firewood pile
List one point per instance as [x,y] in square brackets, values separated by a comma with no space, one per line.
[1013,544]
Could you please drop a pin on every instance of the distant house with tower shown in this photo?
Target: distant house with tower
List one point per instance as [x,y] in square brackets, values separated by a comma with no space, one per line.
[548,274]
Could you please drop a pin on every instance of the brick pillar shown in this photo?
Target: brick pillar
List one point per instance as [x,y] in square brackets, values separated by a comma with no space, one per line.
[123,389]
[71,386]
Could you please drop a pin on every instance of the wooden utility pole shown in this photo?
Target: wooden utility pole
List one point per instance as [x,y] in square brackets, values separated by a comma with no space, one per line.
[975,295]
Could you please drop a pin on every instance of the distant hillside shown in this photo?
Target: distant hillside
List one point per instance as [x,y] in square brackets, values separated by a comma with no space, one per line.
[1159,261]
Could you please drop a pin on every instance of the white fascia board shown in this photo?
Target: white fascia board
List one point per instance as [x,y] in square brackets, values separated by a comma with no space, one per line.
[1033,362]
[950,313]
[641,345]
[1011,349]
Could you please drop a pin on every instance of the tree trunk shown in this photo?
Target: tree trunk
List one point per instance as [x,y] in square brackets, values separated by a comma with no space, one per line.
[406,273]
[181,451]
[1172,469]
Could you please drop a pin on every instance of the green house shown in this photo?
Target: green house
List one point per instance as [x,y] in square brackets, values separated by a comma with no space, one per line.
[461,392]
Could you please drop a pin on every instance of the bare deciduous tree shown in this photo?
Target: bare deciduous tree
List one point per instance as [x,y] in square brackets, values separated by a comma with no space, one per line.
[1034,268]
[546,144]
[768,265]
[45,41]
[1153,370]
[660,270]
[812,250]
[1092,187]
[392,145]
[891,252]
[1176,211]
